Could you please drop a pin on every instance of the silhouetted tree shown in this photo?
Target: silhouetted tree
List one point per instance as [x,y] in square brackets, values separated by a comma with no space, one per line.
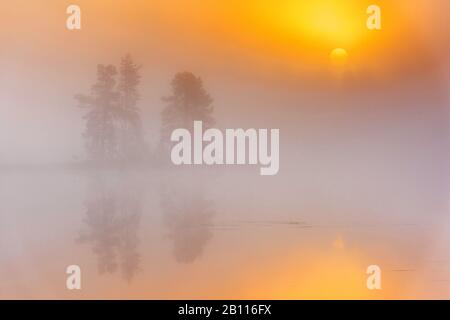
[187,103]
[113,123]
[100,135]
[128,83]
[130,122]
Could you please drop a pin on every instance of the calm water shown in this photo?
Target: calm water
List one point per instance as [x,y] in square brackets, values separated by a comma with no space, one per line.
[231,234]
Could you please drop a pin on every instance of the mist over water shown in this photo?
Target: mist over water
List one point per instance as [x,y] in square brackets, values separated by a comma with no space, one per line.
[363,173]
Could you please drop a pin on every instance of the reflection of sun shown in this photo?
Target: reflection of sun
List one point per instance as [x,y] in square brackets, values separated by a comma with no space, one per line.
[339,56]
[331,274]
[339,243]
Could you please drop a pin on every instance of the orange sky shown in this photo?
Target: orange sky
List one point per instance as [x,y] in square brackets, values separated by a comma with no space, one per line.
[266,64]
[294,34]
[236,46]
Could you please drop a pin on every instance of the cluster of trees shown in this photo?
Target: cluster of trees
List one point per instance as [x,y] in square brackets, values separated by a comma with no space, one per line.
[113,134]
[113,122]
[113,131]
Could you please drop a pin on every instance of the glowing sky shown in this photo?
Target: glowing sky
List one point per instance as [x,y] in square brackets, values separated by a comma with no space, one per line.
[361,157]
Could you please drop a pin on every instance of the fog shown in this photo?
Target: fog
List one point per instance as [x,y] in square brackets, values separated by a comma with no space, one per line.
[363,158]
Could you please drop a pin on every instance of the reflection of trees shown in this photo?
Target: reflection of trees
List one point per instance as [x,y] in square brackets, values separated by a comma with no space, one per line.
[188,216]
[110,227]
[129,256]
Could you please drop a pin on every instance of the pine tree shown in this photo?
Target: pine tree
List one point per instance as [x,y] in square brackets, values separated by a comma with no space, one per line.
[100,134]
[187,103]
[129,118]
[113,123]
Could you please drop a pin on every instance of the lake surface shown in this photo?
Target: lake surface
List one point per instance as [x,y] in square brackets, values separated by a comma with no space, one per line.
[164,234]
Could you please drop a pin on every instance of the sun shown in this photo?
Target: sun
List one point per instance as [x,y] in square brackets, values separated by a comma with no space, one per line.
[310,29]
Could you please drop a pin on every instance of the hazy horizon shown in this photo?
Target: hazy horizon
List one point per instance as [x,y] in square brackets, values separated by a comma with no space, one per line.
[364,150]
